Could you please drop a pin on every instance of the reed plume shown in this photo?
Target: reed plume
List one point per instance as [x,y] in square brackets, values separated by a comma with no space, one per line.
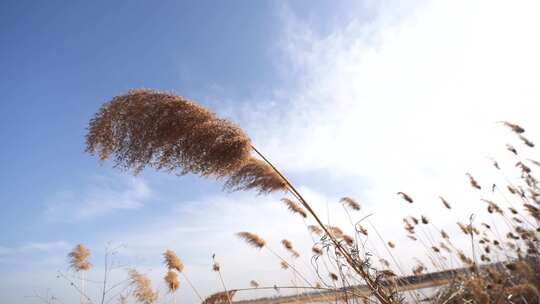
[294,207]
[515,128]
[315,229]
[172,261]
[473,182]
[445,203]
[253,284]
[171,279]
[255,174]
[406,197]
[143,291]
[351,203]
[151,128]
[79,258]
[223,297]
[252,239]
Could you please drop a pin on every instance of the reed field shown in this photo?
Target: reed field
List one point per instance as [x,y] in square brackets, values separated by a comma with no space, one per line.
[491,257]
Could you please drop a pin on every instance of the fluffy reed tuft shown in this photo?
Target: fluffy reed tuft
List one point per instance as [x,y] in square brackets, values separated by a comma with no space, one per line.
[252,239]
[151,128]
[353,204]
[172,261]
[142,289]
[255,174]
[515,128]
[254,284]
[294,207]
[79,258]
[473,182]
[171,279]
[445,203]
[406,197]
[315,229]
[223,297]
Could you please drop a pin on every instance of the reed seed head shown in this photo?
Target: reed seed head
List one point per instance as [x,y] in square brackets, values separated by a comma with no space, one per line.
[515,128]
[353,204]
[152,128]
[79,258]
[172,261]
[406,197]
[171,279]
[294,207]
[255,174]
[223,297]
[143,291]
[252,239]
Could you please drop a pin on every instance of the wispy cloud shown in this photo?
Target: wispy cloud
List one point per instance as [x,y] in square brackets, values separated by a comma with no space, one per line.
[103,195]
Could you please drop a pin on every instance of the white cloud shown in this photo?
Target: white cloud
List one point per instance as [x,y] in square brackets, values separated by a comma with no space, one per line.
[102,196]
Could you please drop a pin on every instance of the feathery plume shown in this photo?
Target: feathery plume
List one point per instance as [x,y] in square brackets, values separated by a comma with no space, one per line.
[222,297]
[253,284]
[515,128]
[284,265]
[151,128]
[255,174]
[316,250]
[252,239]
[336,231]
[172,261]
[171,279]
[473,182]
[361,229]
[143,290]
[348,239]
[315,229]
[79,258]
[350,202]
[445,203]
[294,207]
[511,149]
[526,141]
[406,197]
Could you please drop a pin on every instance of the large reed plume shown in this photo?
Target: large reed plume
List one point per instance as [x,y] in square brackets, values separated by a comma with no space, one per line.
[152,128]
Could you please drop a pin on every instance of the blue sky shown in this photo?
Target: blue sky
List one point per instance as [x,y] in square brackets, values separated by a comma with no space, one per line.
[339,95]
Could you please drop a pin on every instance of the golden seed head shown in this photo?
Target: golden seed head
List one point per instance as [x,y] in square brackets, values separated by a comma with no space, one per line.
[294,207]
[255,174]
[252,239]
[172,261]
[406,197]
[171,279]
[143,291]
[350,202]
[222,297]
[79,258]
[151,128]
